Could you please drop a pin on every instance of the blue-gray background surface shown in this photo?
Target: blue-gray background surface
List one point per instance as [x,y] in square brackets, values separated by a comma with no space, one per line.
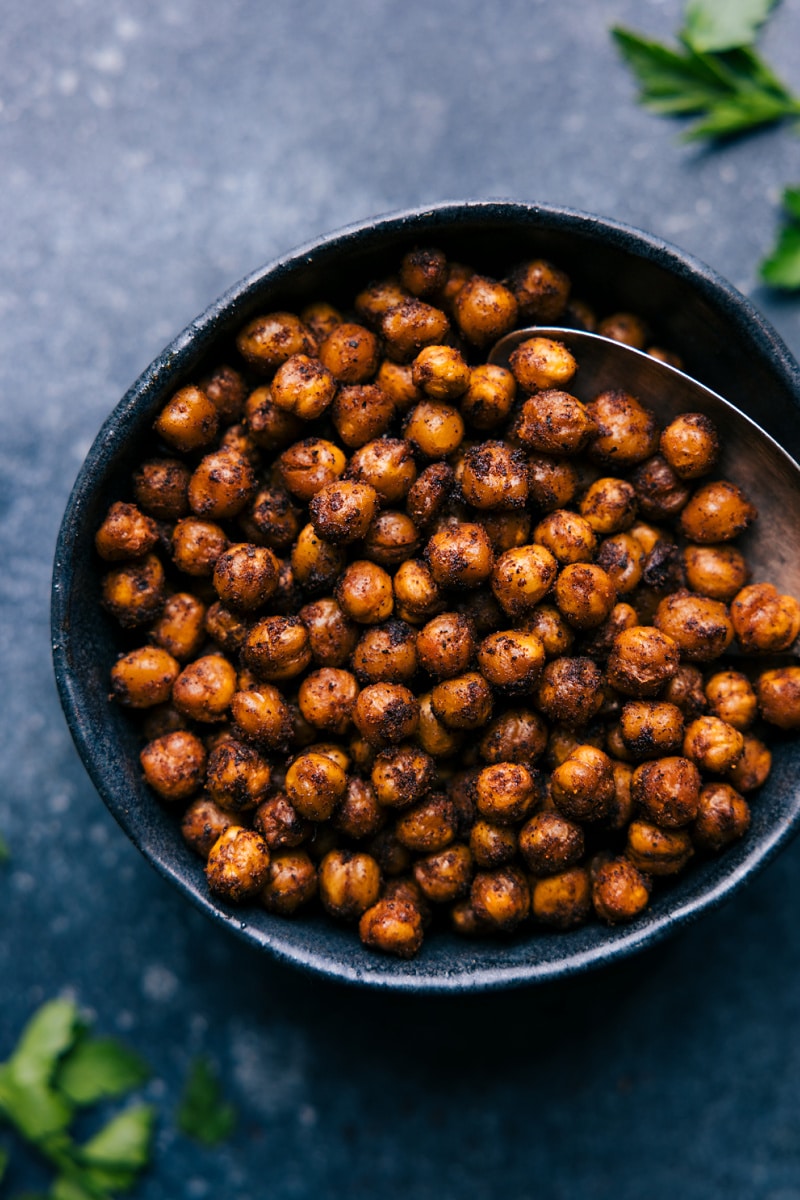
[151,153]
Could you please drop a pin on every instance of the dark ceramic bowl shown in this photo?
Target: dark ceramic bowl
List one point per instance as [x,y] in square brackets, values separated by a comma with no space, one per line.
[725,343]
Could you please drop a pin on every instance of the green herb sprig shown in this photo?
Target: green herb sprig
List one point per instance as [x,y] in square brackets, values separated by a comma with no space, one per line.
[203,1114]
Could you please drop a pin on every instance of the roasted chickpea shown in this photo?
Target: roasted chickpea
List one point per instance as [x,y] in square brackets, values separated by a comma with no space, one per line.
[522,577]
[731,696]
[713,744]
[551,629]
[204,689]
[228,629]
[270,427]
[488,400]
[237,864]
[568,536]
[226,390]
[161,488]
[361,413]
[506,793]
[428,826]
[378,297]
[327,698]
[174,765]
[690,445]
[562,901]
[626,433]
[625,327]
[779,697]
[460,556]
[396,380]
[203,823]
[359,815]
[667,790]
[619,891]
[434,429]
[125,533]
[752,769]
[386,653]
[541,362]
[658,851]
[350,353]
[364,593]
[291,882]
[651,728]
[609,505]
[240,439]
[685,690]
[314,785]
[511,660]
[188,421]
[392,926]
[402,775]
[701,628]
[642,660]
[716,571]
[585,594]
[550,844]
[723,816]
[444,875]
[457,274]
[135,593]
[279,824]
[303,386]
[541,291]
[349,883]
[196,546]
[492,845]
[309,465]
[277,648]
[221,485]
[411,325]
[481,608]
[569,691]
[391,539]
[341,512]
[717,512]
[582,787]
[266,342]
[621,809]
[238,776]
[386,465]
[161,719]
[261,715]
[445,645]
[321,318]
[463,702]
[316,563]
[332,637]
[181,627]
[416,592]
[553,422]
[622,616]
[660,493]
[501,898]
[423,271]
[552,482]
[440,372]
[765,620]
[519,735]
[507,530]
[386,712]
[494,476]
[485,310]
[245,576]
[429,493]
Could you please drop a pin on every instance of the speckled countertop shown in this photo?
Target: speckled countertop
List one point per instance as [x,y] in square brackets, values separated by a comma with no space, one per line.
[152,154]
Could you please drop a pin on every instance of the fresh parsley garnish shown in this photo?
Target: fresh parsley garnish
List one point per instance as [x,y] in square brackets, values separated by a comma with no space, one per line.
[203,1113]
[781,268]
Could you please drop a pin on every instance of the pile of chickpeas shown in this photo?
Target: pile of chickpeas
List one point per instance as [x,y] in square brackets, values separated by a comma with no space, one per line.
[426,639]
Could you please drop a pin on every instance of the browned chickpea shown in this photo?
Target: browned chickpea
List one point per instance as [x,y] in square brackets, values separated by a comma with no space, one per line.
[204,689]
[445,645]
[350,353]
[488,400]
[507,530]
[303,386]
[464,920]
[541,291]
[501,898]
[446,874]
[579,315]
[309,465]
[135,593]
[316,564]
[386,712]
[359,815]
[386,654]
[626,434]
[314,785]
[240,439]
[651,728]
[378,297]
[361,413]
[541,362]
[144,677]
[485,310]
[410,326]
[666,356]
[582,787]
[386,465]
[519,735]
[395,379]
[245,576]
[779,697]
[440,372]
[428,826]
[659,492]
[552,482]
[341,512]
[700,627]
[237,864]
[621,808]
[550,844]
[569,690]
[364,593]
[202,824]
[181,627]
[752,769]
[434,429]
[522,577]
[625,327]
[196,546]
[585,594]
[125,533]
[667,791]
[423,271]
[492,845]
[622,616]
[393,926]
[506,793]
[690,445]
[765,620]
[685,690]
[391,539]
[332,750]
[481,608]
[568,536]
[161,719]
[238,776]
[620,891]
[402,776]
[260,715]
[658,851]
[460,556]
[321,317]
[511,660]
[174,765]
[716,571]
[622,558]
[713,744]
[553,422]
[221,485]
[327,698]
[731,697]
[270,427]
[609,505]
[266,342]
[226,390]
[495,476]
[642,659]
[332,637]
[279,824]
[457,274]
[429,493]
[161,488]
[188,421]
[291,882]
[274,518]
[723,816]
[562,901]
[463,702]
[226,628]
[416,592]
[277,648]
[551,629]
[717,512]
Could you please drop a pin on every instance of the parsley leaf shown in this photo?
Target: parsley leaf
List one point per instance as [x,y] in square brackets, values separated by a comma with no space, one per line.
[98,1069]
[51,1031]
[781,268]
[724,24]
[203,1114]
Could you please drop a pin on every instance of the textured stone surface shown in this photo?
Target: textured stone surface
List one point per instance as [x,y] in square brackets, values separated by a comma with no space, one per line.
[153,153]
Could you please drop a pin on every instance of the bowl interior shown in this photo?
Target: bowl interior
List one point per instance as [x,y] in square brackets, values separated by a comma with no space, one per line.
[724,343]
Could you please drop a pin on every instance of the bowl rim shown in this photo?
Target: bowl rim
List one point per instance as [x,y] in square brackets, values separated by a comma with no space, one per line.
[189,343]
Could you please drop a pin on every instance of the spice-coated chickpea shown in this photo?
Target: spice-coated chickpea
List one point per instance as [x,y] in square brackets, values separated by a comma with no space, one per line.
[349,883]
[261,715]
[316,563]
[723,816]
[245,576]
[386,712]
[569,690]
[387,465]
[221,485]
[373,301]
[553,422]
[277,648]
[485,310]
[446,645]
[778,694]
[625,327]
[568,536]
[716,571]
[429,493]
[507,530]
[541,291]
[359,815]
[609,505]
[267,341]
[428,826]
[690,445]
[506,792]
[551,629]
[549,843]
[522,577]
[240,439]
[161,488]
[409,326]
[585,594]
[517,735]
[402,775]
[685,690]
[489,398]
[501,898]
[392,926]
[752,769]
[731,696]
[188,421]
[626,432]
[622,558]
[765,620]
[238,776]
[162,719]
[667,790]
[495,476]
[226,628]
[361,413]
[460,556]
[309,465]
[457,274]
[444,875]
[270,427]
[303,386]
[332,636]
[713,744]
[226,389]
[552,482]
[416,592]
[658,851]
[321,317]
[135,592]
[562,901]
[144,677]
[660,493]
[700,627]
[237,864]
[204,689]
[463,702]
[396,380]
[341,512]
[717,512]
[492,845]
[327,698]
[621,809]
[332,750]
[440,372]
[542,362]
[125,533]
[181,627]
[386,653]
[392,856]
[203,823]
[364,593]
[642,660]
[314,785]
[392,538]
[174,765]
[582,787]
[511,660]
[196,546]
[620,892]
[434,428]
[651,728]
[274,518]
[423,271]
[622,616]
[481,608]
[279,823]
[291,882]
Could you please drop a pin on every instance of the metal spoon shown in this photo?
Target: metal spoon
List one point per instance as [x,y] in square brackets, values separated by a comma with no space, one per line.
[749,457]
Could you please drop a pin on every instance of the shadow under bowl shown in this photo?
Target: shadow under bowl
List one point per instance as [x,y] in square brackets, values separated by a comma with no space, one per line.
[724,343]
